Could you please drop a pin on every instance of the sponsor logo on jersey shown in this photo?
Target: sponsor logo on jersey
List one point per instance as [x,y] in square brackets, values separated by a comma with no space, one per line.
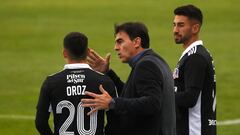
[212,122]
[75,78]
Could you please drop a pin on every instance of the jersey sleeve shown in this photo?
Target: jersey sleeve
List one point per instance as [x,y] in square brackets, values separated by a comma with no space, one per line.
[42,114]
[109,86]
[117,81]
[194,74]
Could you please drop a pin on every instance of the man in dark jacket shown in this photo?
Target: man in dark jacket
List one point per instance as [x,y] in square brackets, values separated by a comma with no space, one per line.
[145,105]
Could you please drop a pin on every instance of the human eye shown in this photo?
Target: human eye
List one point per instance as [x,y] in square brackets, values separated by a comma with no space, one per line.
[119,41]
[174,24]
[181,24]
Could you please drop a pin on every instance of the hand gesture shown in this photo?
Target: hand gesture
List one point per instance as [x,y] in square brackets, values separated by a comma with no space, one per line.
[97,62]
[99,101]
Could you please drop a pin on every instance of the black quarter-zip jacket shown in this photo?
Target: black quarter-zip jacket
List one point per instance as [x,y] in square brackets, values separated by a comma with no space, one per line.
[146,104]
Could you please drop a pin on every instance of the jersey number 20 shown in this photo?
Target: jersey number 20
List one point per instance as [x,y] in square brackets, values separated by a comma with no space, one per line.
[80,119]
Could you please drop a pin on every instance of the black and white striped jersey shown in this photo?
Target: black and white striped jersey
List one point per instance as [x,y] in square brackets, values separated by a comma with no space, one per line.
[62,93]
[195,92]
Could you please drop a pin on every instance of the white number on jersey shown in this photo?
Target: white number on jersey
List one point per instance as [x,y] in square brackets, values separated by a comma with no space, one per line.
[80,119]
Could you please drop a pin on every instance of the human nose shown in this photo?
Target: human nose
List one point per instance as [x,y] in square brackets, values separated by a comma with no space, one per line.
[116,47]
[175,29]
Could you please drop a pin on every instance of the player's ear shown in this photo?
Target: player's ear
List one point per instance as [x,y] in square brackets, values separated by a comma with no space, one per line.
[88,51]
[65,54]
[137,42]
[196,28]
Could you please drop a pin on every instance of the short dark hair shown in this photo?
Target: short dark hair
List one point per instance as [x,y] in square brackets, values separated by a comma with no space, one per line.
[134,29]
[76,44]
[191,11]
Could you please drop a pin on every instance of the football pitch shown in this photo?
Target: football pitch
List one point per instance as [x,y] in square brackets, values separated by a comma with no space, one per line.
[32,34]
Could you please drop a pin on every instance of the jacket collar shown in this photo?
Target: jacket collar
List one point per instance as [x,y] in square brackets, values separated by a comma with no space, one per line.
[139,56]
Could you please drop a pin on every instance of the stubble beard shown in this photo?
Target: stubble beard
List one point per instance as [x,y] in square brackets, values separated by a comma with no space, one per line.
[182,39]
[178,40]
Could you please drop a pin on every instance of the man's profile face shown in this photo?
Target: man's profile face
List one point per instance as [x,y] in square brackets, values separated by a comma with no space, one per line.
[182,29]
[124,46]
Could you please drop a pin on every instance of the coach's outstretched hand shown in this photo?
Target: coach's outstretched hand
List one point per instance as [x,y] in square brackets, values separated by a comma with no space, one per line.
[99,101]
[97,62]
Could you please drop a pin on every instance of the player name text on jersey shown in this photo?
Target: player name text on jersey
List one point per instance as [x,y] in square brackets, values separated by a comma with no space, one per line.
[76,90]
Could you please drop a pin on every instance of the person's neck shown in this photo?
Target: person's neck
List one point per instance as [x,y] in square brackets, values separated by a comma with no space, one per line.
[190,41]
[76,61]
[139,51]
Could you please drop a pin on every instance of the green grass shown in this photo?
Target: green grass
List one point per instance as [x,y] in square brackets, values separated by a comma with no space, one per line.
[31,39]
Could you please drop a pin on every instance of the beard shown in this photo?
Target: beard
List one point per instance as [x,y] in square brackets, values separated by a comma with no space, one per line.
[179,39]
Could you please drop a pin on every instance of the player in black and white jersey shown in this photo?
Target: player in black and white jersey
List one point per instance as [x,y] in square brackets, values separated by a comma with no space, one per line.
[63,91]
[194,76]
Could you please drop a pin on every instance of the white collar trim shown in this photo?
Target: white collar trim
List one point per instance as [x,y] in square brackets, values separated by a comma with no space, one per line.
[76,66]
[196,43]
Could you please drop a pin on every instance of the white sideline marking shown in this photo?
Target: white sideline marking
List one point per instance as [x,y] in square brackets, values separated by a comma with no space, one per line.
[27,117]
[228,122]
[17,117]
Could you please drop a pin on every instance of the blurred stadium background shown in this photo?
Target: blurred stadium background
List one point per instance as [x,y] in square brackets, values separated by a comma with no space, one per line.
[31,34]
